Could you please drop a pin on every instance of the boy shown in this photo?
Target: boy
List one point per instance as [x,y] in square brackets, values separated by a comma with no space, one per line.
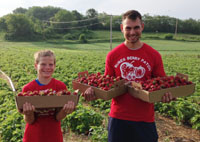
[43,125]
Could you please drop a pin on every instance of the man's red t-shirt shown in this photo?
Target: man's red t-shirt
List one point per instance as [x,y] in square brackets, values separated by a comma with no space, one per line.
[45,128]
[133,65]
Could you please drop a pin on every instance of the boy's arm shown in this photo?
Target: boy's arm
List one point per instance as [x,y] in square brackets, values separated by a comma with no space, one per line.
[67,109]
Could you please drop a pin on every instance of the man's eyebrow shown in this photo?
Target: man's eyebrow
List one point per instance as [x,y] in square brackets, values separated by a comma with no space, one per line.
[128,27]
[136,27]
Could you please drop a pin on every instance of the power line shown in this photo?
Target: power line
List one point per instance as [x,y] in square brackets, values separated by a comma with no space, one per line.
[54,22]
[75,27]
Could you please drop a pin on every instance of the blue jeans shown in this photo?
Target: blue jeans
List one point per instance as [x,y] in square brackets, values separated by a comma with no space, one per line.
[131,131]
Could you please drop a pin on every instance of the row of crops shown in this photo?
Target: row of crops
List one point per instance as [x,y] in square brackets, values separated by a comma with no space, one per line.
[89,118]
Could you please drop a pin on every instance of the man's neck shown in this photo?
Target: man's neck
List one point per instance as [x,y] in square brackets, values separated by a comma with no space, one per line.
[136,45]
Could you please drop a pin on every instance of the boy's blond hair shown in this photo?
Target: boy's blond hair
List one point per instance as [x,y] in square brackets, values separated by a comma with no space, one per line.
[44,53]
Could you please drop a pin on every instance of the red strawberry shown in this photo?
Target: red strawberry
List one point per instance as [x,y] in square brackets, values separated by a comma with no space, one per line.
[75,93]
[20,94]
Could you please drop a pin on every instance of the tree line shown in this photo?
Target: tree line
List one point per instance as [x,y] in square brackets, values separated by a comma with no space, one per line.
[37,23]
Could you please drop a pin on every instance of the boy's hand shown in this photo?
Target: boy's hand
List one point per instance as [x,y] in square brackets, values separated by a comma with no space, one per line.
[167,98]
[68,108]
[28,109]
[89,94]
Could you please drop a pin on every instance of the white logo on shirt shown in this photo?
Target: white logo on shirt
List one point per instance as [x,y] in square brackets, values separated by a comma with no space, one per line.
[129,72]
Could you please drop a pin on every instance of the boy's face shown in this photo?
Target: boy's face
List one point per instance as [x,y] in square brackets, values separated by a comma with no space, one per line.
[45,67]
[132,30]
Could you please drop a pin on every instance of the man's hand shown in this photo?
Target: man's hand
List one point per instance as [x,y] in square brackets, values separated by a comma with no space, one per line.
[89,94]
[167,98]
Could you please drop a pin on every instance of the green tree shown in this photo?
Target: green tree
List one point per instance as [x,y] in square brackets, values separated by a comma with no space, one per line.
[189,26]
[91,13]
[78,17]
[94,22]
[42,13]
[3,25]
[62,21]
[116,22]
[82,38]
[20,10]
[19,27]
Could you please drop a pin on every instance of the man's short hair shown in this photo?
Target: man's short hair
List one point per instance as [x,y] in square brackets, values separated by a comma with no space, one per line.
[131,14]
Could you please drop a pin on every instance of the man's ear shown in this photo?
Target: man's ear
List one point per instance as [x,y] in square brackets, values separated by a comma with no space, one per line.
[121,27]
[142,26]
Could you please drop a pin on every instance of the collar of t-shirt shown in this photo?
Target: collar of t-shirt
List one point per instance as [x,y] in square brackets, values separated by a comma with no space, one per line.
[38,82]
[135,48]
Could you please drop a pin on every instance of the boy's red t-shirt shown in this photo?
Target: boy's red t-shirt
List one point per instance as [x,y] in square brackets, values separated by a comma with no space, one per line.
[133,65]
[45,128]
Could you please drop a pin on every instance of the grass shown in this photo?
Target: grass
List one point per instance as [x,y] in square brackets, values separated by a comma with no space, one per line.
[160,45]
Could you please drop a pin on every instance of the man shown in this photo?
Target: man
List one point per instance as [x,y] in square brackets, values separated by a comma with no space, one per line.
[131,119]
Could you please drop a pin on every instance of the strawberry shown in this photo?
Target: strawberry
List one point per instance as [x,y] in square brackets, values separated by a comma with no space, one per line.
[104,82]
[75,93]
[20,94]
[163,82]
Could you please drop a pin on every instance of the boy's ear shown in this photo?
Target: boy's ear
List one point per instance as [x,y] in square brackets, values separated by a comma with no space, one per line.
[35,65]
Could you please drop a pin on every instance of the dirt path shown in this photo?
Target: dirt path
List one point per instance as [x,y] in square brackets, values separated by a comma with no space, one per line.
[168,131]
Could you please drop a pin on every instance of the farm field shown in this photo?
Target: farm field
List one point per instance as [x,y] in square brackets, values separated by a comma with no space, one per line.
[16,60]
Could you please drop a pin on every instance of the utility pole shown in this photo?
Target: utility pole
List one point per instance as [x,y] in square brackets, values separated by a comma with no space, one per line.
[110,32]
[43,30]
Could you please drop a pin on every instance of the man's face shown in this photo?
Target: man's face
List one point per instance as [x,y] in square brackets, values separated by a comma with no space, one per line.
[132,30]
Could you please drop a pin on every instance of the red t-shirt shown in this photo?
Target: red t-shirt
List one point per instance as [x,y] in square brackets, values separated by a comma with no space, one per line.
[45,128]
[133,65]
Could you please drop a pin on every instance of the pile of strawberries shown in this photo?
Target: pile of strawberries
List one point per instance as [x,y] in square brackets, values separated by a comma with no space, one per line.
[104,82]
[48,92]
[163,82]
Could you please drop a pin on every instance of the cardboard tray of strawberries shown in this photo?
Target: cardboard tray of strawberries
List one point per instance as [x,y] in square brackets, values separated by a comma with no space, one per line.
[118,87]
[45,100]
[155,95]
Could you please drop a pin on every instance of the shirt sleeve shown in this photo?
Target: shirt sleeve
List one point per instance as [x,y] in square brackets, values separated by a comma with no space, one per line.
[109,69]
[27,88]
[62,86]
[158,69]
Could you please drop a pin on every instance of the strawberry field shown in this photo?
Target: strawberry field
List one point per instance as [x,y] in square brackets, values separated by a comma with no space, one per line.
[16,60]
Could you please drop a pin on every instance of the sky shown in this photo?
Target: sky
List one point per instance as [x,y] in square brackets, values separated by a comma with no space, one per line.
[181,9]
